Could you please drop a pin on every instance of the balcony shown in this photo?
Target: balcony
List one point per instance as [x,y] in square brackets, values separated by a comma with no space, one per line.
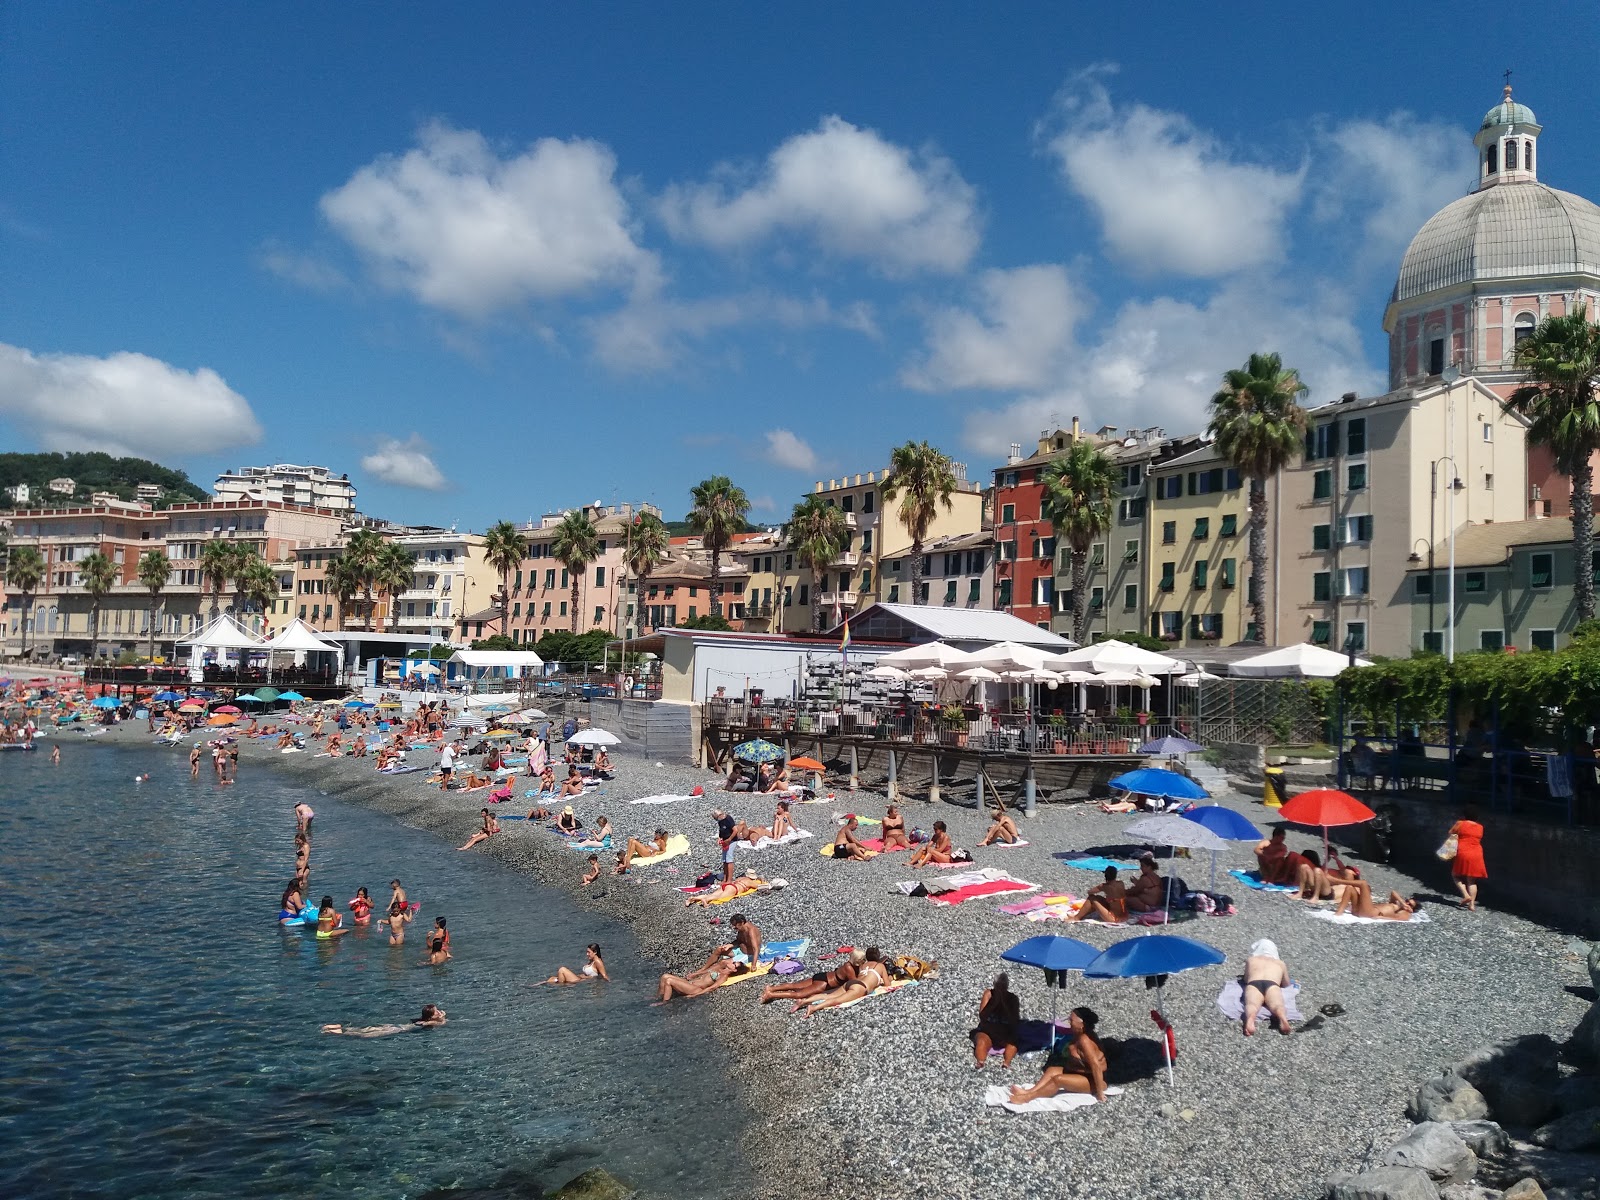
[846,558]
[757,612]
[837,599]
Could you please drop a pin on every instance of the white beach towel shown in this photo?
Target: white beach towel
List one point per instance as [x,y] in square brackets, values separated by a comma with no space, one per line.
[1230,1001]
[794,835]
[1016,845]
[1323,914]
[998,1096]
[657,799]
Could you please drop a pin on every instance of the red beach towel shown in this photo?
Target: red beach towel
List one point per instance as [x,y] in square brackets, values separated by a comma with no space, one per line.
[982,889]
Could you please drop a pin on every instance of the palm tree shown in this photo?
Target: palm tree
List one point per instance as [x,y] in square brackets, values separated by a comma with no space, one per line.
[216,568]
[25,572]
[362,553]
[393,573]
[1257,423]
[98,575]
[924,478]
[1078,488]
[258,585]
[342,580]
[154,570]
[504,546]
[245,561]
[575,545]
[718,513]
[647,544]
[1561,359]
[818,534]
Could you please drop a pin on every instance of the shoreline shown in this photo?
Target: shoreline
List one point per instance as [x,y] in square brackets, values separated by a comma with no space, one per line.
[889,1088]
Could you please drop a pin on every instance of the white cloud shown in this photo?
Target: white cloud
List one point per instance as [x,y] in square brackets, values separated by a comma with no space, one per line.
[405,464]
[1169,196]
[1159,361]
[1391,176]
[124,403]
[789,450]
[1024,320]
[856,194]
[469,232]
[302,270]
[651,332]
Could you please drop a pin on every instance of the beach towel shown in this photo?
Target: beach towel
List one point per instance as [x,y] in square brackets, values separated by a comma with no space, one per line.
[677,847]
[949,883]
[763,969]
[401,770]
[1323,914]
[827,851]
[1252,879]
[766,843]
[876,846]
[1016,845]
[992,888]
[1230,1001]
[1097,863]
[999,1096]
[838,819]
[773,951]
[663,799]
[894,986]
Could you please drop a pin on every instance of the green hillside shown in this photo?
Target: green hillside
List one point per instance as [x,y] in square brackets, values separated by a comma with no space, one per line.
[93,472]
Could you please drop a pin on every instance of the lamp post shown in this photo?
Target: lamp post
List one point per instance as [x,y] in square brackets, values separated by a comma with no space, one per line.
[1416,559]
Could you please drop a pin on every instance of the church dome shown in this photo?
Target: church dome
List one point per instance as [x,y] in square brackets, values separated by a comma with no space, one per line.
[1508,112]
[1517,231]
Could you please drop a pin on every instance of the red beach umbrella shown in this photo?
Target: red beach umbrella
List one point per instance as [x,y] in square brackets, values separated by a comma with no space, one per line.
[230,710]
[1325,807]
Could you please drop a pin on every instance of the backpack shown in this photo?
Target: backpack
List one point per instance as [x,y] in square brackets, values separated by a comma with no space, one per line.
[905,966]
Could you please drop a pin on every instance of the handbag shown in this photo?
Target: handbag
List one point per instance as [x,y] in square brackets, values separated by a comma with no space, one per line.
[1447,848]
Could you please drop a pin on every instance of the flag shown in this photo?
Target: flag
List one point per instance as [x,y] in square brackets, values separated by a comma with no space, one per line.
[844,644]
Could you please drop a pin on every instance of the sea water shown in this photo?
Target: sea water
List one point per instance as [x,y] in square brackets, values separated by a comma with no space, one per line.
[159,1035]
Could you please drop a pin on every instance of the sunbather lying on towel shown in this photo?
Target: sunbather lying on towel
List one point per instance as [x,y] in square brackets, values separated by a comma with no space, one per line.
[1357,899]
[637,849]
[1106,901]
[745,885]
[1265,977]
[1004,828]
[822,981]
[871,975]
[697,983]
[1075,1065]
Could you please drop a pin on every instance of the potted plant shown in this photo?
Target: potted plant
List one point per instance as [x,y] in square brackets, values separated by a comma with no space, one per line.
[1058,730]
[954,719]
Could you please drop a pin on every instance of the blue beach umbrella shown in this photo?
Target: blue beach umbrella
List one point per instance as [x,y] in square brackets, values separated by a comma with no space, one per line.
[248,698]
[1226,824]
[290,696]
[105,702]
[357,704]
[1158,781]
[1153,958]
[758,751]
[1055,956]
[166,697]
[1171,745]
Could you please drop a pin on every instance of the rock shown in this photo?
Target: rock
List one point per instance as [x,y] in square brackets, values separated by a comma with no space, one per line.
[1584,1046]
[1575,1131]
[1520,1101]
[1435,1148]
[1594,966]
[1468,1191]
[1524,1189]
[1485,1137]
[1384,1183]
[1575,1092]
[594,1184]
[1552,1170]
[1517,1078]
[1447,1097]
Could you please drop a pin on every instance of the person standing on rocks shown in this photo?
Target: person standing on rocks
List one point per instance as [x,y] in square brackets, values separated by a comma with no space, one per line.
[1265,977]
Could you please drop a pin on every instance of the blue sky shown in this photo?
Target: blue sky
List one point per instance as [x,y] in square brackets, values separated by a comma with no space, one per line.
[496,260]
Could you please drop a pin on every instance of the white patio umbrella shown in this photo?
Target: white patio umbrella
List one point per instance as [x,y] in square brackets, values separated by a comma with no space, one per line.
[1115,655]
[888,671]
[594,737]
[1305,661]
[1195,678]
[1009,656]
[929,673]
[931,654]
[424,668]
[979,675]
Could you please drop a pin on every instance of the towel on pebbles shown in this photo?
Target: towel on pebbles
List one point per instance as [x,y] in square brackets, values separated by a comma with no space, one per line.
[663,799]
[876,846]
[1097,863]
[794,835]
[1016,845]
[894,986]
[677,847]
[1230,1001]
[1034,903]
[1322,914]
[999,1096]
[1252,879]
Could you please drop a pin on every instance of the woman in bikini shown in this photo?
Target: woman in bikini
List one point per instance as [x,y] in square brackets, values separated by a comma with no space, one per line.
[1106,901]
[999,1014]
[432,1017]
[822,981]
[642,850]
[745,885]
[871,975]
[438,944]
[697,983]
[486,830]
[329,920]
[600,839]
[894,830]
[937,850]
[361,907]
[572,785]
[1357,899]
[593,968]
[1076,1065]
[292,902]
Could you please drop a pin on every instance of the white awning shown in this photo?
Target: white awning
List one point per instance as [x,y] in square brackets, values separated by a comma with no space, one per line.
[300,636]
[1113,655]
[929,654]
[497,658]
[224,634]
[1304,661]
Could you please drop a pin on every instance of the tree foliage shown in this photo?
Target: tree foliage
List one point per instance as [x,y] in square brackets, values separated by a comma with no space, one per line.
[558,645]
[94,471]
[923,478]
[1078,488]
[715,622]
[718,512]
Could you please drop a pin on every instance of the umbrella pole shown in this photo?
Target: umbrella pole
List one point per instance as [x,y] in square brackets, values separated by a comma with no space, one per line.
[1166,1044]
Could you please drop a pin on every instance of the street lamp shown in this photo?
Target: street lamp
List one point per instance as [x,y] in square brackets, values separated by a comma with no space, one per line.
[1416,559]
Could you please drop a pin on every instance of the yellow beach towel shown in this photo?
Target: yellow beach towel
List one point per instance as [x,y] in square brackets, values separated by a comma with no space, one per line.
[677,847]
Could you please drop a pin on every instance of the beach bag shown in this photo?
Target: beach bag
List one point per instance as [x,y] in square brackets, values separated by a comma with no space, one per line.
[906,966]
[961,856]
[1448,848]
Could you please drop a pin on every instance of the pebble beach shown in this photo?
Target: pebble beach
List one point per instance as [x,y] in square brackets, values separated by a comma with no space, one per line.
[887,1090]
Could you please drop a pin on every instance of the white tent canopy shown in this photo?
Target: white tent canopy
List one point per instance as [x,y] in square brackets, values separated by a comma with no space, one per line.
[1304,661]
[487,659]
[1113,655]
[930,654]
[224,634]
[1009,656]
[297,635]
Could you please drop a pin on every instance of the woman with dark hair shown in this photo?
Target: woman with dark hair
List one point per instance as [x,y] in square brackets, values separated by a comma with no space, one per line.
[1076,1064]
[438,943]
[999,1013]
[937,850]
[593,968]
[329,920]
[1467,868]
[432,1016]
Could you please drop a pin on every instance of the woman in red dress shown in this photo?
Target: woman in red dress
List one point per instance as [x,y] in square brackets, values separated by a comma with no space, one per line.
[1467,867]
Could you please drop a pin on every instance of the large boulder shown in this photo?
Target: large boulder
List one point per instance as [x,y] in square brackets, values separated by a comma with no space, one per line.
[1577,1092]
[1556,1171]
[1524,1189]
[1447,1097]
[1575,1131]
[594,1184]
[1584,1046]
[1485,1137]
[1384,1183]
[1468,1191]
[1517,1077]
[1435,1148]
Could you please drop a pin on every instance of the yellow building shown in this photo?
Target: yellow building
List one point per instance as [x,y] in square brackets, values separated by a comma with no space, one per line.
[1198,566]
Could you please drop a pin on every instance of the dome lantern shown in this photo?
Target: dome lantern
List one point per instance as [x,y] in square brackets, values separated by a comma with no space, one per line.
[1505,142]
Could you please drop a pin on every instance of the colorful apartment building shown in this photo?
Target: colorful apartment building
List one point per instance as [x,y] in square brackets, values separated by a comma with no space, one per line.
[1197,570]
[957,572]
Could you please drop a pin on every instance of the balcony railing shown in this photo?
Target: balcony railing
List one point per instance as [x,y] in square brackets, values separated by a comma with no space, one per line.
[841,599]
[846,558]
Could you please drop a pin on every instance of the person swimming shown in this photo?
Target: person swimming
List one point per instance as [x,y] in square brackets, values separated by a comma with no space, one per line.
[432,1017]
